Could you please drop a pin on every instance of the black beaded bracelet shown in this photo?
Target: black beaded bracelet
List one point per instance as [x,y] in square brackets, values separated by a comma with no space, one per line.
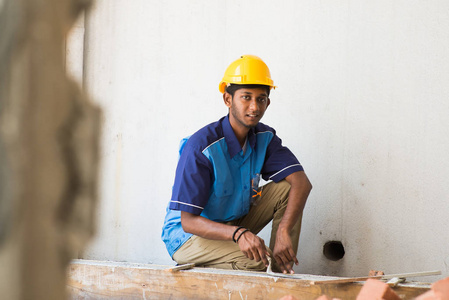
[241,234]
[233,236]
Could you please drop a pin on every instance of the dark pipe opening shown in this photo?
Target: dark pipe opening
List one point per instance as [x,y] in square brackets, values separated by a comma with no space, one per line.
[334,250]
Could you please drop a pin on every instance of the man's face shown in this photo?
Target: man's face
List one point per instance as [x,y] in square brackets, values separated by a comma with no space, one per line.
[247,106]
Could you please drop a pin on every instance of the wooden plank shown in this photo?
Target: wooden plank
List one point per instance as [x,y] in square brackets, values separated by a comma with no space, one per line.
[100,280]
[353,279]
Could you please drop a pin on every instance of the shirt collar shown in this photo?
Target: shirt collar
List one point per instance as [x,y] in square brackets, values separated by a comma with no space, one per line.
[231,140]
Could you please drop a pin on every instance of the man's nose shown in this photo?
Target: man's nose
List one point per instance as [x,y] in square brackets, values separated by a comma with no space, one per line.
[254,105]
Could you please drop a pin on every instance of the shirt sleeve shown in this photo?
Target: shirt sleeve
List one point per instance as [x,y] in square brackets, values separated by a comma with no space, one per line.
[192,181]
[279,161]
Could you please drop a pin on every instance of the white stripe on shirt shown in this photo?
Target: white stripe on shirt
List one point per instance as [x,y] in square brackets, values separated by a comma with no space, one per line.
[265,132]
[212,144]
[188,204]
[283,170]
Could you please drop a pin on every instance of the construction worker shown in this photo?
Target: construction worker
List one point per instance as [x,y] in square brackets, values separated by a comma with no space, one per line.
[217,207]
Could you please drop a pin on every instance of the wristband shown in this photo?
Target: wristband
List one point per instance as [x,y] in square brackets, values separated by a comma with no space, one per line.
[233,236]
[241,234]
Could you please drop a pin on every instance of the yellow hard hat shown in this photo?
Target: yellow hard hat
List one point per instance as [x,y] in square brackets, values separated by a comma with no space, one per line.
[248,69]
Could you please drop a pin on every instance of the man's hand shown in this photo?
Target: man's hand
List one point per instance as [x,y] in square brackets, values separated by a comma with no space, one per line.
[283,252]
[250,244]
[253,246]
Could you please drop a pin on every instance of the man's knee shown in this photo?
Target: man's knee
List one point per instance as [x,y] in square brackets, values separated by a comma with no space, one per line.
[284,186]
[249,265]
[278,192]
[279,187]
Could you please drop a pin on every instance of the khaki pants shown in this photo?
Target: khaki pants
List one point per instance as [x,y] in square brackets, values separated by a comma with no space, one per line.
[270,205]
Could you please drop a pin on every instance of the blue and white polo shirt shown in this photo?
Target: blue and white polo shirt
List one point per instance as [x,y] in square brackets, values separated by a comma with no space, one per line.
[213,177]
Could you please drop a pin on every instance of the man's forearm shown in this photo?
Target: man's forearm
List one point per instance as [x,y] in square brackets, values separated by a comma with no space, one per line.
[250,244]
[299,191]
[206,228]
[284,250]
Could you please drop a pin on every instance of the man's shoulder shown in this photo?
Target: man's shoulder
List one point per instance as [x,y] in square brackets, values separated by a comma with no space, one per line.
[261,128]
[206,136]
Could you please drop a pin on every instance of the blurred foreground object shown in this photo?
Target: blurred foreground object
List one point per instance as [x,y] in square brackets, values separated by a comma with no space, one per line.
[49,137]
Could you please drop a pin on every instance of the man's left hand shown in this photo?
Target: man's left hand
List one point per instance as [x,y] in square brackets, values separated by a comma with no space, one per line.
[283,252]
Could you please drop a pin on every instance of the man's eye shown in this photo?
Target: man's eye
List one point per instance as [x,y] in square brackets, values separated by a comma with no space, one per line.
[262,99]
[246,97]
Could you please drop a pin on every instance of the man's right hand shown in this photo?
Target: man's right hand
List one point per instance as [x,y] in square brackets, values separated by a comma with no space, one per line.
[250,244]
[253,246]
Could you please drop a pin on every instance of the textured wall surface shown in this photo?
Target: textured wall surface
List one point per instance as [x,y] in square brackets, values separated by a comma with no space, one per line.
[362,101]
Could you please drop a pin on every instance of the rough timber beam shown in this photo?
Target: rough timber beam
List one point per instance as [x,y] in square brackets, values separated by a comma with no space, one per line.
[112,280]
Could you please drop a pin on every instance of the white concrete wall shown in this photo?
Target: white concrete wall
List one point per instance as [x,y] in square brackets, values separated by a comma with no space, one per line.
[362,101]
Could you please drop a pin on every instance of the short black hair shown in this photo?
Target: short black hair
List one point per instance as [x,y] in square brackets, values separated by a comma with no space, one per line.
[234,87]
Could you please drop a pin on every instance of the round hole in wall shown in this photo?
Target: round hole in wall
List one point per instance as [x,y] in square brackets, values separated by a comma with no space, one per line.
[333,250]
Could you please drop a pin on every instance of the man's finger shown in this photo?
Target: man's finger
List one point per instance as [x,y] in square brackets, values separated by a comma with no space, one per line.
[293,256]
[265,258]
[283,259]
[262,255]
[290,256]
[285,264]
[289,268]
[256,256]
[281,263]
[296,260]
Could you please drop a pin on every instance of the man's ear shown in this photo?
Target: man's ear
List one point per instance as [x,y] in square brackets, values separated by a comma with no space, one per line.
[227,99]
[268,102]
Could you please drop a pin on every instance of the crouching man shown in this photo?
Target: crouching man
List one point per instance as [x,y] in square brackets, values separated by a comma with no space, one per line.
[217,207]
